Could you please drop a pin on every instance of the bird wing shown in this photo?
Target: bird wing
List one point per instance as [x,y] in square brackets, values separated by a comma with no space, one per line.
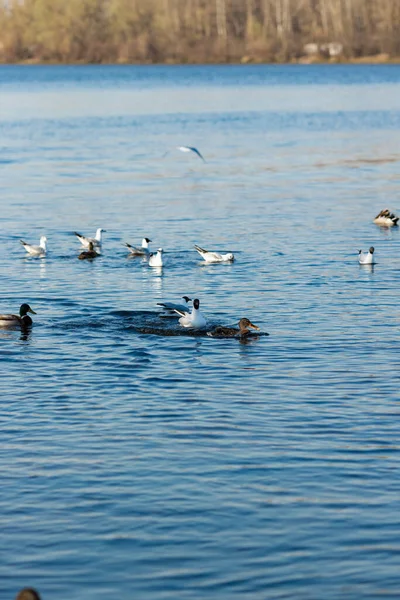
[215,256]
[10,318]
[200,250]
[191,149]
[182,313]
[83,240]
[32,249]
[173,306]
[134,249]
[197,152]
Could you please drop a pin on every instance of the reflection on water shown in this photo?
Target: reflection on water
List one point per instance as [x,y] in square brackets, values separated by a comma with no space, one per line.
[367,268]
[143,459]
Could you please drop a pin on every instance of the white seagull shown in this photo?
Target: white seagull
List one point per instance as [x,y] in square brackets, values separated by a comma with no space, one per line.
[170,308]
[155,259]
[214,257]
[191,149]
[366,258]
[386,218]
[142,251]
[194,319]
[85,241]
[36,250]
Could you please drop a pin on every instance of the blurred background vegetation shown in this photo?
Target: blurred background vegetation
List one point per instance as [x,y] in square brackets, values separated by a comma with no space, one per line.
[197,31]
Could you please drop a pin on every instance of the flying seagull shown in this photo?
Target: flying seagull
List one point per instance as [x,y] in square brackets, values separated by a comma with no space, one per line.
[191,149]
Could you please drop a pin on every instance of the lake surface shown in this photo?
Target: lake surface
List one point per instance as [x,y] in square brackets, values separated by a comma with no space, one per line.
[161,467]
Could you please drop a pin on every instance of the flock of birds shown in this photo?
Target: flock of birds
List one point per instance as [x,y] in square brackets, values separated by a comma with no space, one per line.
[93,248]
[189,316]
[188,312]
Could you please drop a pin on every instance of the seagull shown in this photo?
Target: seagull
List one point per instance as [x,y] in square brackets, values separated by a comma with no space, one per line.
[191,149]
[90,253]
[386,218]
[194,319]
[214,257]
[170,308]
[96,241]
[21,320]
[366,258]
[155,259]
[243,330]
[36,250]
[142,251]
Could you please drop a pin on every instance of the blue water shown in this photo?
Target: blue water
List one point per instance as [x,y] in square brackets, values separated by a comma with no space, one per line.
[136,465]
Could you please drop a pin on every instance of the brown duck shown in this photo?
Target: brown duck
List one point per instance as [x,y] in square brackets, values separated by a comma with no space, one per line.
[225,332]
[28,594]
[89,253]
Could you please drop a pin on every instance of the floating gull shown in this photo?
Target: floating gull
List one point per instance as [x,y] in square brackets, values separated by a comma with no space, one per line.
[366,258]
[142,251]
[85,241]
[213,257]
[155,259]
[36,250]
[191,149]
[21,320]
[192,319]
[90,253]
[386,218]
[170,308]
[223,332]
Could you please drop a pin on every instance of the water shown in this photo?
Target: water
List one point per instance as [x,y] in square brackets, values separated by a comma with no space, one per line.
[164,467]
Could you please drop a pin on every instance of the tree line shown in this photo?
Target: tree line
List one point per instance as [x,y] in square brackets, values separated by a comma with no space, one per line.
[194,31]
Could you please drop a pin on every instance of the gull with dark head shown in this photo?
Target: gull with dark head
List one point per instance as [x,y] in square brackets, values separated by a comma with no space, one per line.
[156,259]
[193,319]
[366,258]
[143,250]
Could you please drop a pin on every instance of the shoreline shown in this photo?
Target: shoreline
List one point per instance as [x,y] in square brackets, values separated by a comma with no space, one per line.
[378,59]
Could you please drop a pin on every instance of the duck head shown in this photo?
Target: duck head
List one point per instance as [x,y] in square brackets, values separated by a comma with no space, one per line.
[25,309]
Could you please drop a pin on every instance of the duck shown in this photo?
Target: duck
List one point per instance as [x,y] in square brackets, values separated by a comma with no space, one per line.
[214,257]
[194,319]
[243,330]
[170,308]
[90,253]
[21,320]
[96,241]
[155,259]
[386,218]
[28,594]
[142,251]
[36,250]
[366,258]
